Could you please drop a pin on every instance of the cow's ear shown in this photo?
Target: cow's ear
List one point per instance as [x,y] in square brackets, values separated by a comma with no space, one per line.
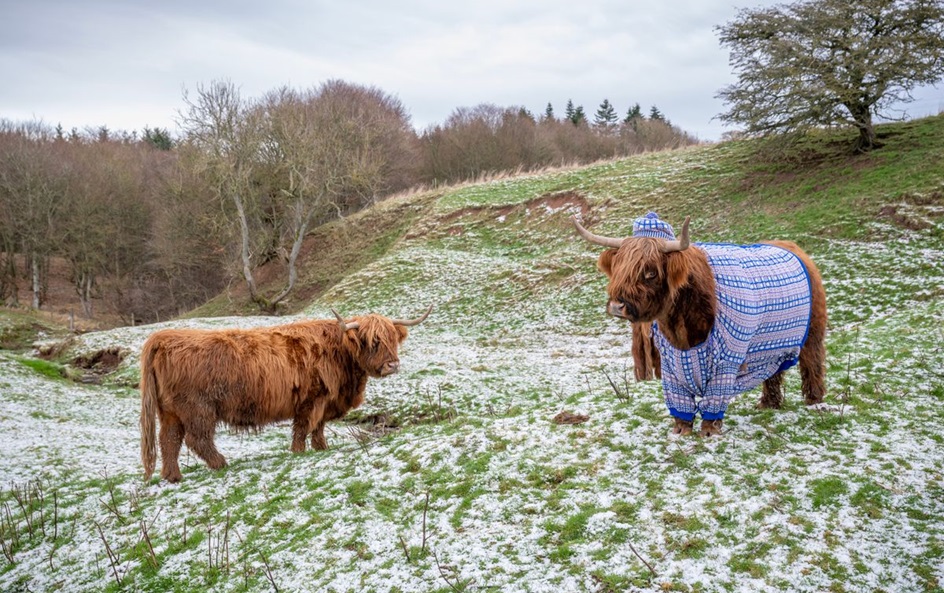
[605,263]
[677,269]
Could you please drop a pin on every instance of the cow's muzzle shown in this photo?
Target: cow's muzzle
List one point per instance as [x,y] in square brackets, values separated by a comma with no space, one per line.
[389,368]
[622,310]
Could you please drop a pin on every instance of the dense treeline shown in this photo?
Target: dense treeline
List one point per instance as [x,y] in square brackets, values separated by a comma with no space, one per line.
[487,138]
[150,225]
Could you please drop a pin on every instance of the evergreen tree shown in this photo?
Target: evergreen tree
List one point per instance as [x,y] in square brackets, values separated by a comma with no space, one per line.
[655,114]
[158,138]
[569,110]
[549,112]
[579,116]
[634,112]
[605,116]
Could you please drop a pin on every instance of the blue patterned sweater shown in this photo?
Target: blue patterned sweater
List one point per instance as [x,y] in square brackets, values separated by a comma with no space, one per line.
[761,322]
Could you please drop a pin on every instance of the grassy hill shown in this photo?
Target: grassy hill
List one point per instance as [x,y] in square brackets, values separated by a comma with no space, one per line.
[453,476]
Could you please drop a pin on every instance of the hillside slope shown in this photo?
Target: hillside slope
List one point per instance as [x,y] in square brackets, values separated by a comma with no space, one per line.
[466,483]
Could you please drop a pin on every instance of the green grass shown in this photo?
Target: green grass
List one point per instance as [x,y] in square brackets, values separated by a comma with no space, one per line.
[44,367]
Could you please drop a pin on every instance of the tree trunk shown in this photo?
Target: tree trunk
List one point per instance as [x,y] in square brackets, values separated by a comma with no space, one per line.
[8,288]
[866,140]
[292,258]
[244,252]
[862,116]
[85,294]
[36,283]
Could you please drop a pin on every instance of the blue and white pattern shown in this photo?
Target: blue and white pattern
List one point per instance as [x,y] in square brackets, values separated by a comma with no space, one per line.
[651,225]
[762,320]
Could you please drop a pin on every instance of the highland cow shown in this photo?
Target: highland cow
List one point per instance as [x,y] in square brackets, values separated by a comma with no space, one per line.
[725,318]
[309,372]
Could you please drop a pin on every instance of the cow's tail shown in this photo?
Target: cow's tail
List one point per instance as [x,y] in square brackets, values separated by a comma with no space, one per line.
[149,406]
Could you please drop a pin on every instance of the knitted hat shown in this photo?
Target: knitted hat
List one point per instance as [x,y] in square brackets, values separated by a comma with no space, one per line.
[651,225]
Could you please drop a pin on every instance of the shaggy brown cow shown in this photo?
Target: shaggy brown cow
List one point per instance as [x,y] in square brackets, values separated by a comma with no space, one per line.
[726,318]
[310,371]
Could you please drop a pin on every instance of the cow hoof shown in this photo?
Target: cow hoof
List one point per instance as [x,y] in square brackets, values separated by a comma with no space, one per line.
[709,428]
[682,427]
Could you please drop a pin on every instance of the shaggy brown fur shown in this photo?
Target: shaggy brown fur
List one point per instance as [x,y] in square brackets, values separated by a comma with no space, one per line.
[310,372]
[677,289]
[647,362]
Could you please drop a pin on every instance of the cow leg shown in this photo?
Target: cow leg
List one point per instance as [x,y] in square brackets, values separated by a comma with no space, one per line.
[171,438]
[772,392]
[318,440]
[199,437]
[301,425]
[710,427]
[813,367]
[318,421]
[682,427]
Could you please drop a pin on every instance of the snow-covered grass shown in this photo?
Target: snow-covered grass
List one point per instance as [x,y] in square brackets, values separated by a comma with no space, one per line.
[477,489]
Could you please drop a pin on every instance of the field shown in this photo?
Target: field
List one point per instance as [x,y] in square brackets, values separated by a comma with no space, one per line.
[454,475]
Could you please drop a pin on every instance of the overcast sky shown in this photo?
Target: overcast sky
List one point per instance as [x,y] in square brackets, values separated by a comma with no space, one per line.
[126,63]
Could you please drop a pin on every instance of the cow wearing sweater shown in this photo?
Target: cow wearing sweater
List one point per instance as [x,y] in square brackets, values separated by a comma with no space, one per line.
[725,318]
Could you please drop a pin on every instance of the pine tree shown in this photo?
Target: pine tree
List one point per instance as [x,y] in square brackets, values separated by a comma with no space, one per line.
[569,110]
[655,114]
[579,116]
[549,112]
[634,112]
[158,138]
[605,116]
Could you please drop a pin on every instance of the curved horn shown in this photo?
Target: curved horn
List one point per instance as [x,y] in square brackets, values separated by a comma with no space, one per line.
[411,322]
[345,326]
[678,244]
[597,239]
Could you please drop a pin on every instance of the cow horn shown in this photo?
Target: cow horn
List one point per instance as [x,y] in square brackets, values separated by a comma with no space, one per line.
[411,322]
[345,326]
[597,239]
[678,244]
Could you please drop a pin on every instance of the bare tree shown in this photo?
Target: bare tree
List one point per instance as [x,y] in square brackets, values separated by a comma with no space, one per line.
[296,157]
[32,190]
[827,62]
[105,219]
[228,131]
[333,149]
[188,239]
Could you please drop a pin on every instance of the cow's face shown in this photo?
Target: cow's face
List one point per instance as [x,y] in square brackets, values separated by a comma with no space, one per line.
[642,278]
[378,340]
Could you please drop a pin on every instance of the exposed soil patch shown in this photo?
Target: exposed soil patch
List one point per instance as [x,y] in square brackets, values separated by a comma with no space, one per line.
[101,362]
[548,203]
[891,212]
[568,417]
